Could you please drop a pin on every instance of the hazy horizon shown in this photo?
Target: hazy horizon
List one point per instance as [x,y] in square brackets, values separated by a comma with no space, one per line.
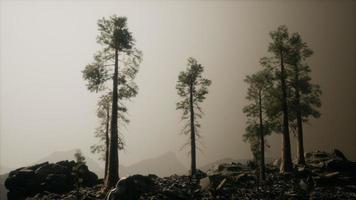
[45,106]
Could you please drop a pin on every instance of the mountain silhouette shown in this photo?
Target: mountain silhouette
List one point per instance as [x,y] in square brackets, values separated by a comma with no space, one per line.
[215,164]
[4,169]
[163,165]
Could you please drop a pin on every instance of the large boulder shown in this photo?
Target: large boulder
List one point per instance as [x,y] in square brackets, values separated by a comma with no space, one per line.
[231,167]
[334,161]
[131,188]
[57,183]
[89,178]
[54,168]
[331,168]
[52,177]
[24,181]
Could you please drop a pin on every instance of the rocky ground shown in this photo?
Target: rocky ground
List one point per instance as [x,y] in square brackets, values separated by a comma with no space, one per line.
[61,177]
[326,176]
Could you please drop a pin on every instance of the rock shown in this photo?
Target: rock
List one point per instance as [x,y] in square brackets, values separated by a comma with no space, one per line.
[34,167]
[231,167]
[244,177]
[338,154]
[221,184]
[317,157]
[336,161]
[329,179]
[304,186]
[131,188]
[304,172]
[199,174]
[57,183]
[21,178]
[215,179]
[352,188]
[18,194]
[90,179]
[340,165]
[331,193]
[53,168]
[52,177]
[277,162]
[174,195]
[252,164]
[332,175]
[24,182]
[204,183]
[233,181]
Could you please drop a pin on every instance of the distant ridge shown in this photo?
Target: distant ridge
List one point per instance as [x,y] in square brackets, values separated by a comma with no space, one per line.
[4,169]
[164,165]
[205,168]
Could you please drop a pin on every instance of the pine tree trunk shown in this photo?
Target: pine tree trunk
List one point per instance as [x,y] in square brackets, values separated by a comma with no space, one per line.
[300,156]
[262,141]
[113,168]
[286,164]
[192,133]
[107,141]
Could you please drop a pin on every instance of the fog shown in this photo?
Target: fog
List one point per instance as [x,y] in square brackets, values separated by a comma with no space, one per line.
[45,106]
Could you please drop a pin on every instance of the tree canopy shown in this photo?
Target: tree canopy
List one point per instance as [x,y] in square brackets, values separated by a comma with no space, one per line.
[192,88]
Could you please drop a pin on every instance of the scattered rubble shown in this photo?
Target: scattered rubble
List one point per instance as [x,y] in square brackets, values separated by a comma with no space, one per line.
[325,176]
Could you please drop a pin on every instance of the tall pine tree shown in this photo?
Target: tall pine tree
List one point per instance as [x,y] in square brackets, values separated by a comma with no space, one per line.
[258,124]
[306,98]
[192,87]
[280,49]
[118,46]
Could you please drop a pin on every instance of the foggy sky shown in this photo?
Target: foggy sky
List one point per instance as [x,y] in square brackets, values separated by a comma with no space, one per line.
[45,106]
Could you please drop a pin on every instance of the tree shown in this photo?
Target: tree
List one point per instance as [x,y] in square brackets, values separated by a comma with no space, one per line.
[254,142]
[258,124]
[306,99]
[118,45]
[78,171]
[193,88]
[102,132]
[281,49]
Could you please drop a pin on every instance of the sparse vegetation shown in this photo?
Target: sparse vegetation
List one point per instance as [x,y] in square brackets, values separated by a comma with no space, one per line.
[281,98]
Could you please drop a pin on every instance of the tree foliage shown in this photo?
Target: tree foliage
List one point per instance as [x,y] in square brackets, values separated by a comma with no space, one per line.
[100,71]
[280,49]
[293,99]
[103,113]
[78,171]
[300,81]
[192,80]
[252,138]
[118,46]
[258,124]
[306,98]
[192,88]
